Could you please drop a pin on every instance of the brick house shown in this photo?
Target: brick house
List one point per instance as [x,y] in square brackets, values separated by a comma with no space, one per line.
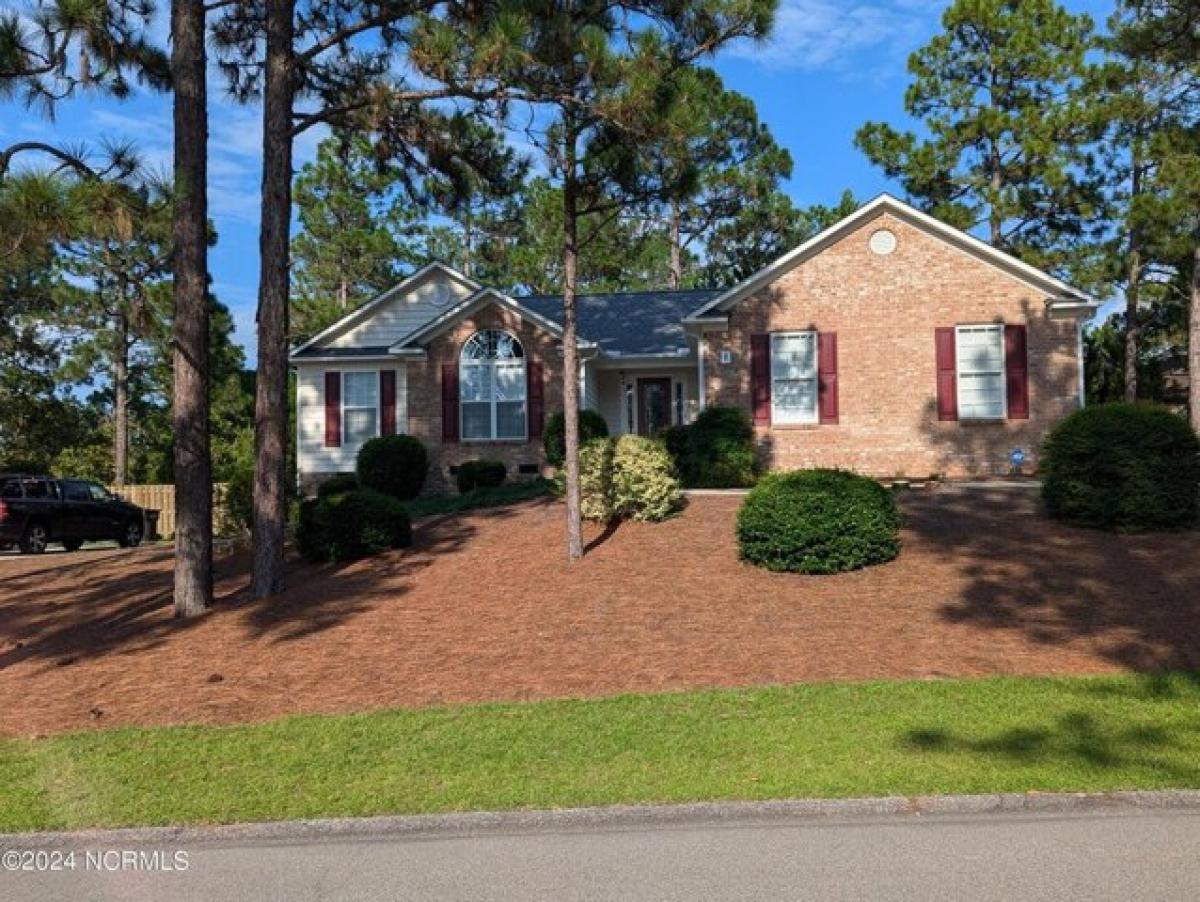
[891,344]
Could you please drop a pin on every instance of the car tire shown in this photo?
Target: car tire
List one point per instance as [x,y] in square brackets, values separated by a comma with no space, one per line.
[131,535]
[35,539]
[72,544]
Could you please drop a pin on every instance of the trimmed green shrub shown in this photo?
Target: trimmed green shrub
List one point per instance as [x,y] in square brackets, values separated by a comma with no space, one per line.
[716,451]
[393,464]
[350,525]
[480,474]
[627,478]
[1125,467]
[337,485]
[818,521]
[591,426]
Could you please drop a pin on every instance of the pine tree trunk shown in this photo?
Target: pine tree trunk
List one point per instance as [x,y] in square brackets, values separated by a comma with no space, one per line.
[676,275]
[270,407]
[190,407]
[1133,281]
[1194,339]
[570,351]
[121,400]
[1132,323]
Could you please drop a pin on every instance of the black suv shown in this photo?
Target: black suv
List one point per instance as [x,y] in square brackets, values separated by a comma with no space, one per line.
[38,510]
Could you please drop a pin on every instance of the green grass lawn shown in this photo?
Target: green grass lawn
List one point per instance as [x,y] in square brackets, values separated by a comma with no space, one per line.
[509,493]
[861,739]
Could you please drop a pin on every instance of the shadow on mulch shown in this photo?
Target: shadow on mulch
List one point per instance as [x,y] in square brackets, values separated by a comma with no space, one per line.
[1055,584]
[121,604]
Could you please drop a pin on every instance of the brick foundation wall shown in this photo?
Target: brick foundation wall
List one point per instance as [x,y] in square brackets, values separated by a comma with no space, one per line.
[884,310]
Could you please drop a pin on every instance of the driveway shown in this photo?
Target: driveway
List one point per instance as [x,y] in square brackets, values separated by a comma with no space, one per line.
[1098,856]
[484,607]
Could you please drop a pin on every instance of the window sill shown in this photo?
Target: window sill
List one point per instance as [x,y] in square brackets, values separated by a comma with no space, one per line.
[981,421]
[494,441]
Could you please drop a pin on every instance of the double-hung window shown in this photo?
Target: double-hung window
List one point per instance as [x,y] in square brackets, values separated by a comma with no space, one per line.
[980,366]
[360,407]
[793,378]
[492,387]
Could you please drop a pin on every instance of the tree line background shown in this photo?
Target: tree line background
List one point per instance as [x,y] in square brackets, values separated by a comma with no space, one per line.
[572,147]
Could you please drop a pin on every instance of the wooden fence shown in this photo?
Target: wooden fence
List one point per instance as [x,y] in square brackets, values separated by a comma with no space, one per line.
[162,499]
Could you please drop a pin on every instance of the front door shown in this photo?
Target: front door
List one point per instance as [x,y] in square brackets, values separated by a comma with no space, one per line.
[654,405]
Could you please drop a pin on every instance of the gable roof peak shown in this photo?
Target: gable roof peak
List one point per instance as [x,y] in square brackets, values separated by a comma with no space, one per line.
[1060,290]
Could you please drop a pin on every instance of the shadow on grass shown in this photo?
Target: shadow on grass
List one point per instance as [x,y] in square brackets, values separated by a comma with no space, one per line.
[1095,741]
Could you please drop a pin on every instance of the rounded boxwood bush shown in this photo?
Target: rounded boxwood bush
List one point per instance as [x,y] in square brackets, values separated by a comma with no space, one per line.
[1126,467]
[350,525]
[627,478]
[716,451]
[336,485]
[480,474]
[818,521]
[591,426]
[393,464]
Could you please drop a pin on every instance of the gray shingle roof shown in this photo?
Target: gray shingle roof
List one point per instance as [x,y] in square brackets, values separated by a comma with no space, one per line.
[373,351]
[628,323]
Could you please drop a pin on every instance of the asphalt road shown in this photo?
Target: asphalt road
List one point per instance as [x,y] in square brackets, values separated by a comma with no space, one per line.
[1094,856]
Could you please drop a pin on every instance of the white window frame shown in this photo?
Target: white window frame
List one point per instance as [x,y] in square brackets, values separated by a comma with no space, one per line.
[492,402]
[998,328]
[807,420]
[344,407]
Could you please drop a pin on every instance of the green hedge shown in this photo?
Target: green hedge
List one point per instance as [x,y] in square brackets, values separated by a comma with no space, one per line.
[336,485]
[393,464]
[350,525]
[716,451]
[591,426]
[627,478]
[480,474]
[1125,467]
[818,521]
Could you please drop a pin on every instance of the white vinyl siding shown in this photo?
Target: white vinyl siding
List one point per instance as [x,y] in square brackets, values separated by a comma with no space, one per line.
[980,366]
[793,378]
[403,314]
[312,454]
[360,407]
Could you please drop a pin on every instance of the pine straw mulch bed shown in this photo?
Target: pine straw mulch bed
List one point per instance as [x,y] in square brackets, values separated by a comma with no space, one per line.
[484,608]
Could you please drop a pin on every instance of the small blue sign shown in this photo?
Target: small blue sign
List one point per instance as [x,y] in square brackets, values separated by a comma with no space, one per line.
[1017,457]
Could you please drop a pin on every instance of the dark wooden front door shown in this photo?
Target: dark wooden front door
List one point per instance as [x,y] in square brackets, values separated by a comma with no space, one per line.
[654,405]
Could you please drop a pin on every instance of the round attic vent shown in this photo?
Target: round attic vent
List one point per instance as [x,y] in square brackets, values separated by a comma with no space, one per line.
[882,242]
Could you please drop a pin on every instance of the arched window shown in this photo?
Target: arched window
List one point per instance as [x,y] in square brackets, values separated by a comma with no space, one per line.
[492,387]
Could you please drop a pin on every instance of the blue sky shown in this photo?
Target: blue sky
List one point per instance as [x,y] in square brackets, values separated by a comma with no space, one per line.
[830,66]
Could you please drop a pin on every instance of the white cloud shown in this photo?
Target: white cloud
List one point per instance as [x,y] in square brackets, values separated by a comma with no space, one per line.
[844,37]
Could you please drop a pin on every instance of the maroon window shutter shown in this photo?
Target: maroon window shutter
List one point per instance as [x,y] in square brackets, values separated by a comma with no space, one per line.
[827,377]
[333,409]
[760,378]
[387,402]
[449,402]
[947,374]
[1016,372]
[536,398]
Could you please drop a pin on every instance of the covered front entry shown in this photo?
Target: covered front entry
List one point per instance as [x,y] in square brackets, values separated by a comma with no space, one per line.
[654,404]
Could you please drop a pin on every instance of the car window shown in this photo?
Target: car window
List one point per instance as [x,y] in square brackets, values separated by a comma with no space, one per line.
[76,491]
[98,492]
[40,488]
[10,488]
